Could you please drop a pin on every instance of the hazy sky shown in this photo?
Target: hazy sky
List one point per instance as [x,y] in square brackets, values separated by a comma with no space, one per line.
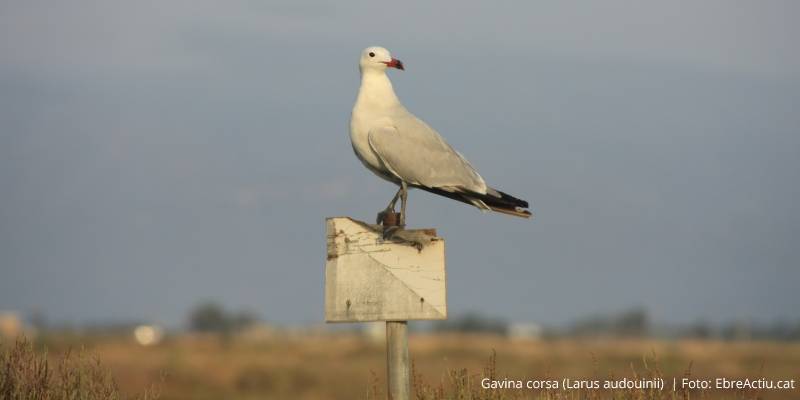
[155,154]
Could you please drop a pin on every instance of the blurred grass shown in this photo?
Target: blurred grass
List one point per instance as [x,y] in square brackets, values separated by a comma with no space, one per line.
[348,366]
[28,375]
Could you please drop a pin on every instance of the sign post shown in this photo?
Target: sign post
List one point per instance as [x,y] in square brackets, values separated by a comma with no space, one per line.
[398,368]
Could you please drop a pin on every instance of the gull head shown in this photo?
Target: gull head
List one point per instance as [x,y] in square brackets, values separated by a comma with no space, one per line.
[378,58]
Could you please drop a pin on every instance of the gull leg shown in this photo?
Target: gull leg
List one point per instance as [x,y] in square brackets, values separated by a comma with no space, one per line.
[394,199]
[389,208]
[403,200]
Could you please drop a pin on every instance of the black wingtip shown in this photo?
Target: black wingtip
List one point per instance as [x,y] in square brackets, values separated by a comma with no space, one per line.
[505,203]
[511,199]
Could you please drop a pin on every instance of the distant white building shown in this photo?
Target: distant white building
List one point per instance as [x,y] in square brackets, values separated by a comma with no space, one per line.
[524,330]
[375,331]
[148,335]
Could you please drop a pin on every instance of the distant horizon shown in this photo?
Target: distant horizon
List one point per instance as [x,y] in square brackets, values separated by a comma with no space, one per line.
[182,325]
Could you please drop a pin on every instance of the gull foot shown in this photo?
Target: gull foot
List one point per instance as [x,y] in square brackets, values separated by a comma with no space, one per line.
[389,217]
[389,231]
[381,216]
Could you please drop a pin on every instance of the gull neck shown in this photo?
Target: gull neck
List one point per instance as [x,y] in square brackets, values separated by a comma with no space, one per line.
[376,90]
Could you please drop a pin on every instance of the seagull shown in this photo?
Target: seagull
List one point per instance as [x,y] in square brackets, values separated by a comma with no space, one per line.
[400,148]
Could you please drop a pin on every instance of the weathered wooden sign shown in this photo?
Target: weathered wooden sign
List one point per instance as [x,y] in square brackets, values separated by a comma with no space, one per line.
[368,278]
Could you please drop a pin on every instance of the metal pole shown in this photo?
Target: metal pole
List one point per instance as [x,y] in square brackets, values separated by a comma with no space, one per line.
[397,364]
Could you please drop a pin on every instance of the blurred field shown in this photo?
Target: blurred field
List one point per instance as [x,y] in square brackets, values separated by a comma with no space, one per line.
[349,366]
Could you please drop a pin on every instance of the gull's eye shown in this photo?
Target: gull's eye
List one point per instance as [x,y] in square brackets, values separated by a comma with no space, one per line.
[371,54]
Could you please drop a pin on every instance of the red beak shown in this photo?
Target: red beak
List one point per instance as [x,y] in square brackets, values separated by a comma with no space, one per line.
[395,63]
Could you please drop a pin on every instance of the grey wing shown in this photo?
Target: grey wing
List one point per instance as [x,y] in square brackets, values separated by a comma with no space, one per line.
[415,153]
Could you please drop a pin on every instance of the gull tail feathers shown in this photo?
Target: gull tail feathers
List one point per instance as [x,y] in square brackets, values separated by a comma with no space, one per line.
[517,212]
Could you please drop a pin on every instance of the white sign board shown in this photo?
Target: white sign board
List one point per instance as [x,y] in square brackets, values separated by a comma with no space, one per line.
[368,278]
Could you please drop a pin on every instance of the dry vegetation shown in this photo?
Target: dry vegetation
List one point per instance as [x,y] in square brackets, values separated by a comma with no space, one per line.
[28,375]
[450,366]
